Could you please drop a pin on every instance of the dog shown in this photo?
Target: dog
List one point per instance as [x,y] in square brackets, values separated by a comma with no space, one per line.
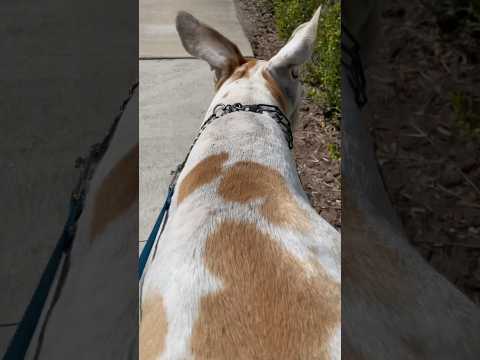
[245,268]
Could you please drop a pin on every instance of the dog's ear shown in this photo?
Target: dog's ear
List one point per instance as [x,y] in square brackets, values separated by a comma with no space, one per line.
[299,47]
[205,43]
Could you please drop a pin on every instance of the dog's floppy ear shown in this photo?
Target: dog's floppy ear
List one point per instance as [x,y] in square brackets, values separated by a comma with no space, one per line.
[299,47]
[205,43]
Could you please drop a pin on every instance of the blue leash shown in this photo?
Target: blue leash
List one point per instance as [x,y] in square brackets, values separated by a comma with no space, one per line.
[142,261]
[21,340]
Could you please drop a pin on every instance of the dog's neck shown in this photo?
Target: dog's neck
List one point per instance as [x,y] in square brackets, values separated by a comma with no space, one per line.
[247,136]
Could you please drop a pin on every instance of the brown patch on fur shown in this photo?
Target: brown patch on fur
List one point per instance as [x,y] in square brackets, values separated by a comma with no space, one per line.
[203,173]
[243,71]
[275,90]
[226,94]
[246,181]
[268,307]
[223,75]
[153,329]
[228,70]
[117,193]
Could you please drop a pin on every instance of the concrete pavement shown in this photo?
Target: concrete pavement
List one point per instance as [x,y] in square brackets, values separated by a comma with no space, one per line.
[174,93]
[159,39]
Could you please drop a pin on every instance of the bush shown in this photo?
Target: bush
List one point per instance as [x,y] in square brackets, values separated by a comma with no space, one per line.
[323,73]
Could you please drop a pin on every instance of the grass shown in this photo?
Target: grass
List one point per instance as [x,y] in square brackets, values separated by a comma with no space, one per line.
[458,15]
[467,120]
[333,151]
[476,7]
[322,74]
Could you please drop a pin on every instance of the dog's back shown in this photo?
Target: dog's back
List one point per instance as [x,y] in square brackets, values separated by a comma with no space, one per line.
[244,268]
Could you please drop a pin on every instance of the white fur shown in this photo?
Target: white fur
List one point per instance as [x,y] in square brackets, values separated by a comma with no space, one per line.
[300,47]
[177,271]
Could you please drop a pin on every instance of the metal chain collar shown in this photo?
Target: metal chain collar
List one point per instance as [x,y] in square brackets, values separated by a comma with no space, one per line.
[356,76]
[272,110]
[221,110]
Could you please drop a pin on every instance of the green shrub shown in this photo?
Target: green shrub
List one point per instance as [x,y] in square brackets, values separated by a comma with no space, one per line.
[323,73]
[333,151]
[476,7]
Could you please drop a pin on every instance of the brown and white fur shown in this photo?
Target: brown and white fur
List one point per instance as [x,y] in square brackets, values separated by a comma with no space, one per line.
[394,304]
[245,268]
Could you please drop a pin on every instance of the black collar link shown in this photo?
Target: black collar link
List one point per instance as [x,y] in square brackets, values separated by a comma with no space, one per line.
[356,76]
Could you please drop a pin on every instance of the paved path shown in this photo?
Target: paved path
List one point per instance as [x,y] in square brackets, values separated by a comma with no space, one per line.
[175,91]
[159,38]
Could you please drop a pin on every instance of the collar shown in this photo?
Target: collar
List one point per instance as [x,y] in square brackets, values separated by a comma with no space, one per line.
[273,111]
[221,109]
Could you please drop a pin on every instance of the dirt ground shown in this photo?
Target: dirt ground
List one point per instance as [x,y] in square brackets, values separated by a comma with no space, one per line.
[319,174]
[431,167]
[429,159]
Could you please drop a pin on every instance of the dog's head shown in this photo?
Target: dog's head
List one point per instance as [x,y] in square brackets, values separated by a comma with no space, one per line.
[237,79]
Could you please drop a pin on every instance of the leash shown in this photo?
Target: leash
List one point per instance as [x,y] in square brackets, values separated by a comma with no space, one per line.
[356,76]
[219,111]
[142,261]
[20,342]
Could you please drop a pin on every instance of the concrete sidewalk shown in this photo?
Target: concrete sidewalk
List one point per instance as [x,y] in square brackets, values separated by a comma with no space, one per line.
[159,38]
[174,96]
[175,91]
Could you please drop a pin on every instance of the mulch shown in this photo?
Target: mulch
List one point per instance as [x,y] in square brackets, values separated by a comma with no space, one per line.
[431,169]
